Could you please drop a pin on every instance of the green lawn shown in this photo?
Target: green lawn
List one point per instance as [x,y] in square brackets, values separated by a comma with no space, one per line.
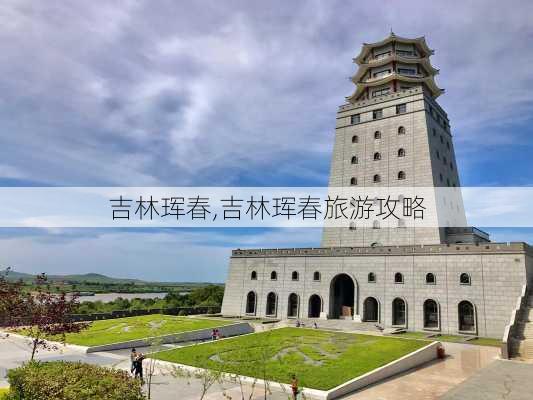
[451,338]
[320,359]
[131,328]
[3,392]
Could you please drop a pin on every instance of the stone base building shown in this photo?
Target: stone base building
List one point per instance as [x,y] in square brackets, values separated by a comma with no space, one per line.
[390,133]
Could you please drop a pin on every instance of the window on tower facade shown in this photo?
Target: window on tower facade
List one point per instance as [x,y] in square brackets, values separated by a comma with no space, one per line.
[464,279]
[401,153]
[352,226]
[353,181]
[377,135]
[375,225]
[377,178]
[401,175]
[354,160]
[398,277]
[380,92]
[355,119]
[355,139]
[401,108]
[406,71]
[381,73]
[377,114]
[377,156]
[405,53]
[401,130]
[382,55]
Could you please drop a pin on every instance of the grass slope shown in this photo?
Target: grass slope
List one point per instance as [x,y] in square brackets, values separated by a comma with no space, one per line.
[131,328]
[320,359]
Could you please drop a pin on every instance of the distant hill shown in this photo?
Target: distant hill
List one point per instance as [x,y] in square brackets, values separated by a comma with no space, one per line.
[92,278]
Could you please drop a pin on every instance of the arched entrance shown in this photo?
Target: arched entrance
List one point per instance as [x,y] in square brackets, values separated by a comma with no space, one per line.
[431,314]
[341,298]
[370,310]
[272,304]
[467,317]
[315,306]
[250,303]
[292,309]
[399,312]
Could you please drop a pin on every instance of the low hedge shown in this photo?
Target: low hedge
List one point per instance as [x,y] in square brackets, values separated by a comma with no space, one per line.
[60,380]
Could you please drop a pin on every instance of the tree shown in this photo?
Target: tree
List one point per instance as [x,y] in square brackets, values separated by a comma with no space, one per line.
[206,377]
[41,314]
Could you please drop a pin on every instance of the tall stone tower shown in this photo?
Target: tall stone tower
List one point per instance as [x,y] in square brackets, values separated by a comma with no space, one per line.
[392,133]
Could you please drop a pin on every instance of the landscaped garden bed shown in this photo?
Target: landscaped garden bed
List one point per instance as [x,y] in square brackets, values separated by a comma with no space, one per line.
[132,328]
[320,359]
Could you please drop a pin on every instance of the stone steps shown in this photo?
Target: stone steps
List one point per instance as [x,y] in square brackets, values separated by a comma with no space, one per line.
[340,324]
[522,346]
[525,349]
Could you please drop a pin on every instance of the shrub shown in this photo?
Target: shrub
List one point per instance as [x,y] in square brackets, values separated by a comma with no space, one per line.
[71,381]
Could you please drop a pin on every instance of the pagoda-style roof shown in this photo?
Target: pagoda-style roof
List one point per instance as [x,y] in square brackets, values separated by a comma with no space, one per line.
[429,81]
[383,68]
[424,62]
[420,43]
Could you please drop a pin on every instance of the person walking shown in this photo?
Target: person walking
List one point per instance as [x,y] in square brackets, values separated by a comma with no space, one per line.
[133,359]
[294,387]
[139,366]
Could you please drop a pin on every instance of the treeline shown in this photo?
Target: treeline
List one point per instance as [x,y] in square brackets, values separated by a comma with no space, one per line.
[210,295]
[104,287]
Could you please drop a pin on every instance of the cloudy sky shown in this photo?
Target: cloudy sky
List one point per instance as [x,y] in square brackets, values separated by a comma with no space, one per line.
[212,93]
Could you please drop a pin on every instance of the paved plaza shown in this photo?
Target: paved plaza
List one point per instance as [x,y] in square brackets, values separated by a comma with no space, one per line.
[427,383]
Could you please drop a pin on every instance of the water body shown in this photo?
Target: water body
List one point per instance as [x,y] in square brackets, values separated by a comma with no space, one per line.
[107,297]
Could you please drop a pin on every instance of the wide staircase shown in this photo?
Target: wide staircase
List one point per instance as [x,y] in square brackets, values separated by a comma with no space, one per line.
[522,345]
[345,325]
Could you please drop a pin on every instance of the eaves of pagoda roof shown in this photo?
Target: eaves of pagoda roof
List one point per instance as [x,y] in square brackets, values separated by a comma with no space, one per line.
[429,82]
[406,60]
[420,42]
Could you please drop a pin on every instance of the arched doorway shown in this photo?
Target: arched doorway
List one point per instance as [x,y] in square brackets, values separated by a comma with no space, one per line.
[467,317]
[370,310]
[315,306]
[292,309]
[399,312]
[272,304]
[342,295]
[431,314]
[250,303]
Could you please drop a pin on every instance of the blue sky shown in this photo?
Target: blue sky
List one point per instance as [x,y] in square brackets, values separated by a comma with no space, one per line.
[232,93]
